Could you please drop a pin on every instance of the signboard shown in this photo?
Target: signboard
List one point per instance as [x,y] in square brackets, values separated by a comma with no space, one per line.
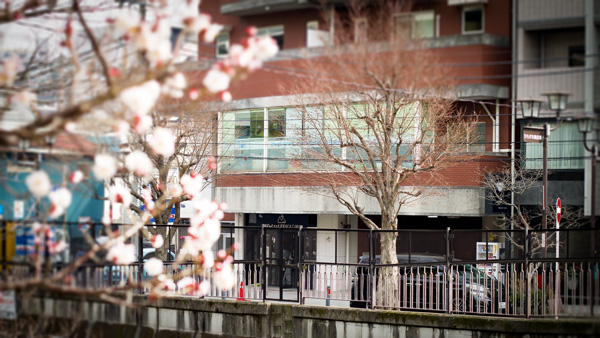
[19,209]
[8,305]
[533,135]
[488,251]
[558,211]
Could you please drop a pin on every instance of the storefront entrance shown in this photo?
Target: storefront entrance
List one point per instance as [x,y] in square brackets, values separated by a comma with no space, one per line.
[276,235]
[281,262]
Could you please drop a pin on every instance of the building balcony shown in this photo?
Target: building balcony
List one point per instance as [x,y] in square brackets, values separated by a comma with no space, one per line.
[550,13]
[254,7]
[466,2]
[532,83]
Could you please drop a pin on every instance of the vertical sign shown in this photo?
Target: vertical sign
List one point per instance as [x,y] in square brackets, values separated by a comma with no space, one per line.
[19,209]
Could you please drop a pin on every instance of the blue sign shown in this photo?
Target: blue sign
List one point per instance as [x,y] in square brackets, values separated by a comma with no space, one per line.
[171,217]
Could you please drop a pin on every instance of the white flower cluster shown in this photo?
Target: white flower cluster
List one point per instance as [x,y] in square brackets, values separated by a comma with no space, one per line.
[153,41]
[245,57]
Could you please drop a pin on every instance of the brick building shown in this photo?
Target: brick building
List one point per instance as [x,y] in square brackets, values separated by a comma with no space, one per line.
[263,186]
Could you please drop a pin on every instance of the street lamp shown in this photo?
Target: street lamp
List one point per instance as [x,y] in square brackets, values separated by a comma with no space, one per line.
[588,125]
[530,108]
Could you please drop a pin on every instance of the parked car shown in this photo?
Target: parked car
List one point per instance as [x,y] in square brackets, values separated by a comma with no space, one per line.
[423,285]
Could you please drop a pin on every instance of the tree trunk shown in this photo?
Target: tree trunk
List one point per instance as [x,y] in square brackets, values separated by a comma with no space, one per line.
[387,294]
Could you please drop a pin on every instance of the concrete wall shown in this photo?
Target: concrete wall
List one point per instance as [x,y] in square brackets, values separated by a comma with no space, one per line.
[188,317]
[440,201]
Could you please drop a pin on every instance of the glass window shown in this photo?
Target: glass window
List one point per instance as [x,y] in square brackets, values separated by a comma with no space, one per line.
[276,32]
[476,137]
[472,20]
[277,122]
[577,56]
[257,123]
[403,25]
[242,125]
[423,25]
[222,48]
[360,30]
[564,149]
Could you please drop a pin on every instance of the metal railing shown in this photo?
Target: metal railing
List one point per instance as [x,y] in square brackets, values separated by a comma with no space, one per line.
[437,270]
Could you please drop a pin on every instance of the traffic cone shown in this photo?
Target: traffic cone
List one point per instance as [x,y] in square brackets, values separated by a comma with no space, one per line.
[241,291]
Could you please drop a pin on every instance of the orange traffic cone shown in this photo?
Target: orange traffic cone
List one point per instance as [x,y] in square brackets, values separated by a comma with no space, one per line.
[241,291]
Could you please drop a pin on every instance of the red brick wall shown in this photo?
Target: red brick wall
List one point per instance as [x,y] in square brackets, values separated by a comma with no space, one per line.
[466,173]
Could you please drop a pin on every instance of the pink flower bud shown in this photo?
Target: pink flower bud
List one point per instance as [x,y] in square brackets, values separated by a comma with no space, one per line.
[225,96]
[251,31]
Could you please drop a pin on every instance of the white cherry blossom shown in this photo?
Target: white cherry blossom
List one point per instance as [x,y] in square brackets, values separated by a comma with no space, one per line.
[197,24]
[175,85]
[143,123]
[203,288]
[192,185]
[120,195]
[76,177]
[162,142]
[127,21]
[55,211]
[60,197]
[186,284]
[141,99]
[153,267]
[38,183]
[211,32]
[216,80]
[265,48]
[208,259]
[121,254]
[139,163]
[9,70]
[105,167]
[157,241]
[223,278]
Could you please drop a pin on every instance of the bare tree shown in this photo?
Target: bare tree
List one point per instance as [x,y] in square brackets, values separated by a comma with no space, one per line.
[108,75]
[379,120]
[195,153]
[501,185]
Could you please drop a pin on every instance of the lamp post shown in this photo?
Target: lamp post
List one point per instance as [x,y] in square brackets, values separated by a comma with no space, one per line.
[530,108]
[588,125]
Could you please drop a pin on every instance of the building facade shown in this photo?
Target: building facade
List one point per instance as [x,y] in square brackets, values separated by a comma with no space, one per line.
[556,50]
[259,178]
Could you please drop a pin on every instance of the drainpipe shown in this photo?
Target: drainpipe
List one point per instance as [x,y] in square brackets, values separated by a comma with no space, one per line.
[348,240]
[591,52]
[513,108]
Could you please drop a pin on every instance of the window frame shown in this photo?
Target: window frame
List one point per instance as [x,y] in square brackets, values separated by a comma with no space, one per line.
[478,146]
[463,21]
[219,43]
[364,30]
[274,32]
[574,53]
[410,18]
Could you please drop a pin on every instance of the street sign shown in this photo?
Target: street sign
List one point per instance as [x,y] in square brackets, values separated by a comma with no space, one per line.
[558,211]
[533,134]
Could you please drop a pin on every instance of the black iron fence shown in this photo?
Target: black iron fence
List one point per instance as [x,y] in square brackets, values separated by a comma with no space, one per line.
[484,272]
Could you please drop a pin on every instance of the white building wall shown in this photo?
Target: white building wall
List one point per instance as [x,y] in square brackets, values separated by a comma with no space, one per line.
[452,201]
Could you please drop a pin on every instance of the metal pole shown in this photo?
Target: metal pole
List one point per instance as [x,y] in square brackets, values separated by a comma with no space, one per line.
[301,272]
[593,225]
[264,262]
[450,278]
[4,234]
[526,259]
[557,271]
[593,200]
[372,269]
[545,189]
